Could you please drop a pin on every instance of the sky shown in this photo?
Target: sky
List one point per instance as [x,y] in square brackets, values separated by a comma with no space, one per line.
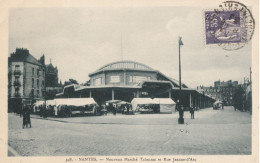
[80,40]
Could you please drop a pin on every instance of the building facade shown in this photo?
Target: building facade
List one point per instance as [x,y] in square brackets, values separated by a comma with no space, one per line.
[222,91]
[25,77]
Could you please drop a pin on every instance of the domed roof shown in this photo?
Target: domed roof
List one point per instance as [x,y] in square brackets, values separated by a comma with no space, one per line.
[125,65]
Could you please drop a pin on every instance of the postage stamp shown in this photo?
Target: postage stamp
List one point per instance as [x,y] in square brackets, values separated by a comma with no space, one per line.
[230,26]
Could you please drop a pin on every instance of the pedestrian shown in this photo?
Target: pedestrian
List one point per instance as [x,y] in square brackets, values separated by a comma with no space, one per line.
[114,109]
[127,106]
[26,116]
[192,109]
[55,111]
[181,114]
[41,111]
[177,107]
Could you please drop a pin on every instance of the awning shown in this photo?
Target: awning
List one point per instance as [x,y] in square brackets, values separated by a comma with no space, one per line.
[113,101]
[38,103]
[163,101]
[75,101]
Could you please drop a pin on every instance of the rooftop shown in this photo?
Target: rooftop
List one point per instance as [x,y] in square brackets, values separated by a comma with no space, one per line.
[23,55]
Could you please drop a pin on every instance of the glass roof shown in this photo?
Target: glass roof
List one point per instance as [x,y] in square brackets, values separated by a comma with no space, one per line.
[125,65]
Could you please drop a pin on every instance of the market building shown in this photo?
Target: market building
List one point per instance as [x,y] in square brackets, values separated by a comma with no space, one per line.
[125,80]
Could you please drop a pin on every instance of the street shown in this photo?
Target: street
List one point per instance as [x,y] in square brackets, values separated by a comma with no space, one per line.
[212,132]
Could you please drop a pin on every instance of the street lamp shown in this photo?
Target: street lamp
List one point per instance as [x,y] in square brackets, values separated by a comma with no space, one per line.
[181,111]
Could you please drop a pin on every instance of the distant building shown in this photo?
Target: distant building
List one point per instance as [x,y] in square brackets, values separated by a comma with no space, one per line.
[223,91]
[51,76]
[225,84]
[52,85]
[25,77]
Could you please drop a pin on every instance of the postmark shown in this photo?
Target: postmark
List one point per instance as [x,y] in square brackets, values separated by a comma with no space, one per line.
[231,25]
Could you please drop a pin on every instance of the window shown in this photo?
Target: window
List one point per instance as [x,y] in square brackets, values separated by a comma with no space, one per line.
[32,93]
[42,83]
[17,67]
[38,72]
[38,93]
[32,71]
[38,83]
[114,79]
[16,90]
[17,78]
[137,79]
[98,81]
[33,82]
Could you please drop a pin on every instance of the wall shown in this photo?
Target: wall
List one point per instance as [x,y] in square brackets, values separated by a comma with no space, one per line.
[28,80]
[106,77]
[152,76]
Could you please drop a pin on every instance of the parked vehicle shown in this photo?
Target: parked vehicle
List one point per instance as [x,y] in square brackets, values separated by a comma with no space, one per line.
[217,105]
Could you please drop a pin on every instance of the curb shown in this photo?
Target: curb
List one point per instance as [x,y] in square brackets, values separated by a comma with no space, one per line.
[12,151]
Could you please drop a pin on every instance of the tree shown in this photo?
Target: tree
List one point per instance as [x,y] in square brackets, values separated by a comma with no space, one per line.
[60,85]
[87,83]
[238,98]
[71,81]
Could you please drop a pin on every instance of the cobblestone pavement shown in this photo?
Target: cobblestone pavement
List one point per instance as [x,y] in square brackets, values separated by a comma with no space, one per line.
[211,132]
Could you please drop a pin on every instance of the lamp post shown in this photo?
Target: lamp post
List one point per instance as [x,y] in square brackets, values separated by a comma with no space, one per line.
[45,107]
[181,111]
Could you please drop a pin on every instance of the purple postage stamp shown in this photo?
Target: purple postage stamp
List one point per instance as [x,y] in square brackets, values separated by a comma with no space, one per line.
[230,26]
[224,27]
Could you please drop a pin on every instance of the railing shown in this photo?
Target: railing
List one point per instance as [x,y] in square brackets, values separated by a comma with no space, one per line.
[17,95]
[17,83]
[17,72]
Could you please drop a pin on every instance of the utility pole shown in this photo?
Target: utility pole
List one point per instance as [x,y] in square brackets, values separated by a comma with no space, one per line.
[181,111]
[45,106]
[122,48]
[180,44]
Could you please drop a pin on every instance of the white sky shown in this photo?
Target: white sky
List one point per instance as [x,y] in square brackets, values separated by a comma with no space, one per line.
[80,40]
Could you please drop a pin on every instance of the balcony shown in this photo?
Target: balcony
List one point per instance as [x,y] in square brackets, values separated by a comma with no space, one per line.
[17,95]
[17,72]
[17,84]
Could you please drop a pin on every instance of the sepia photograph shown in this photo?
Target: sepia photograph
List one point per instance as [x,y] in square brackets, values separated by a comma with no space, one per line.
[130,83]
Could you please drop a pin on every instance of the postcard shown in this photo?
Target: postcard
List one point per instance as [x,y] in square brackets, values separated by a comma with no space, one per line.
[129,81]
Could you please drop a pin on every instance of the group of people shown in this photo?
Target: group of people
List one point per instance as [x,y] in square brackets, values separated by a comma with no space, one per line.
[116,108]
[149,108]
[192,110]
